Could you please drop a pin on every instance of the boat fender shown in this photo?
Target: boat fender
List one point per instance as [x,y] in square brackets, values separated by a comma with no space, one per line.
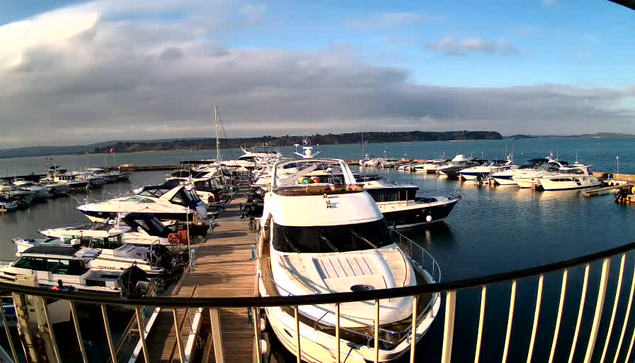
[173,238]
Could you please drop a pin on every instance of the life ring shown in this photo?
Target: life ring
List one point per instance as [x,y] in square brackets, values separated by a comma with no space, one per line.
[173,238]
[315,179]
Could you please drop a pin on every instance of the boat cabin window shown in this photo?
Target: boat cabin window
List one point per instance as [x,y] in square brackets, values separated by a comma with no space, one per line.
[392,195]
[203,186]
[326,239]
[52,265]
[247,158]
[104,243]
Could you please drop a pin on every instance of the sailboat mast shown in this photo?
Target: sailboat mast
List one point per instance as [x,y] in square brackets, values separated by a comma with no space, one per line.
[216,119]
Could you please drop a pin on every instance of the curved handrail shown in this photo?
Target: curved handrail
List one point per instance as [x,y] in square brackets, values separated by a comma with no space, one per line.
[343,297]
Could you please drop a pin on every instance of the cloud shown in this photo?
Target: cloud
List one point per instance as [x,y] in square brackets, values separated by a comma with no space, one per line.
[461,47]
[549,2]
[386,19]
[87,74]
[253,13]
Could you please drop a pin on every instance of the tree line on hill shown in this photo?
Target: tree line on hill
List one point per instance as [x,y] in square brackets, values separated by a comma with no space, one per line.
[328,139]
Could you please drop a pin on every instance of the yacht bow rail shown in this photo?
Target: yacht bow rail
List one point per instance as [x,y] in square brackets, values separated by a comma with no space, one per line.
[617,330]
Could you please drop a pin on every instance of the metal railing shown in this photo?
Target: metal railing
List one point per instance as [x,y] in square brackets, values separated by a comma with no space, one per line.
[604,343]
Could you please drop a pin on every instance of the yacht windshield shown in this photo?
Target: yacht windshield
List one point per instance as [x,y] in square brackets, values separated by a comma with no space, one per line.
[327,239]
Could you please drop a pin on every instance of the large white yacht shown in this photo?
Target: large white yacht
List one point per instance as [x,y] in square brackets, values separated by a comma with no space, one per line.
[576,176]
[180,203]
[324,238]
[453,167]
[530,177]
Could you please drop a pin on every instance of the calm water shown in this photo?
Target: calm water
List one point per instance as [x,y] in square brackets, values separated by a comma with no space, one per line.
[493,229]
[599,152]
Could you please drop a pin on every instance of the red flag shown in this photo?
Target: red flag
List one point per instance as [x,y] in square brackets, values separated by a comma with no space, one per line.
[112,150]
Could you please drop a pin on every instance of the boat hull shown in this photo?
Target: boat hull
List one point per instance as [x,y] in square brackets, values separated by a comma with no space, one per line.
[574,183]
[418,214]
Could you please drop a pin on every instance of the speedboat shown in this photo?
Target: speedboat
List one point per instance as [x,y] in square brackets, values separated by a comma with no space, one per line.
[325,238]
[576,176]
[482,172]
[252,158]
[7,205]
[454,166]
[431,166]
[180,203]
[403,209]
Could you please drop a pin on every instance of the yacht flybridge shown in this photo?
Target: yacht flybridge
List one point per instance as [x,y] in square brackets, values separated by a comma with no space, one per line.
[576,176]
[323,238]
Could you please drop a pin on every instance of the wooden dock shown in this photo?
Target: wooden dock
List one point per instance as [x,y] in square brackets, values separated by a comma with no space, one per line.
[599,191]
[224,268]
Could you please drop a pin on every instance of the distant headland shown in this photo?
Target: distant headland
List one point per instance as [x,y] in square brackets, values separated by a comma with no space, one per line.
[274,141]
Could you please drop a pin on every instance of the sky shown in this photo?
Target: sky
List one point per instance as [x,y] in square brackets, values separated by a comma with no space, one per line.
[74,72]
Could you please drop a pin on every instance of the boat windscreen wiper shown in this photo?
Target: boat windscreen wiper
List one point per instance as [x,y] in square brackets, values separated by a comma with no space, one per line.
[364,239]
[335,249]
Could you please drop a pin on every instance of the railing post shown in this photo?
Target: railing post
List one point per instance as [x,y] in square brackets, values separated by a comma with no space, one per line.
[297,334]
[177,333]
[8,332]
[599,305]
[626,317]
[256,320]
[376,331]
[111,347]
[80,341]
[510,320]
[217,335]
[580,311]
[481,320]
[337,330]
[49,325]
[556,330]
[413,328]
[448,329]
[536,318]
[616,301]
[142,332]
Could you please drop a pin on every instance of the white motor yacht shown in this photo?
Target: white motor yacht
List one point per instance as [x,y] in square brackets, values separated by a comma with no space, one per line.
[576,176]
[66,265]
[180,203]
[482,172]
[431,166]
[529,178]
[7,205]
[41,191]
[453,167]
[326,238]
[403,209]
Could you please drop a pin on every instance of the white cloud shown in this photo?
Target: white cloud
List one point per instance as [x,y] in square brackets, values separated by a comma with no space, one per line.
[549,2]
[386,19]
[86,73]
[461,47]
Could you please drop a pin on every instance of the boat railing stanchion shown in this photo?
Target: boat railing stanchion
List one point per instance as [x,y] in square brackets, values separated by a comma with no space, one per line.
[49,325]
[448,326]
[599,306]
[510,320]
[628,314]
[337,329]
[78,332]
[177,333]
[377,302]
[142,332]
[8,332]
[616,302]
[556,329]
[297,334]
[534,329]
[580,312]
[111,347]
[413,328]
[481,320]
